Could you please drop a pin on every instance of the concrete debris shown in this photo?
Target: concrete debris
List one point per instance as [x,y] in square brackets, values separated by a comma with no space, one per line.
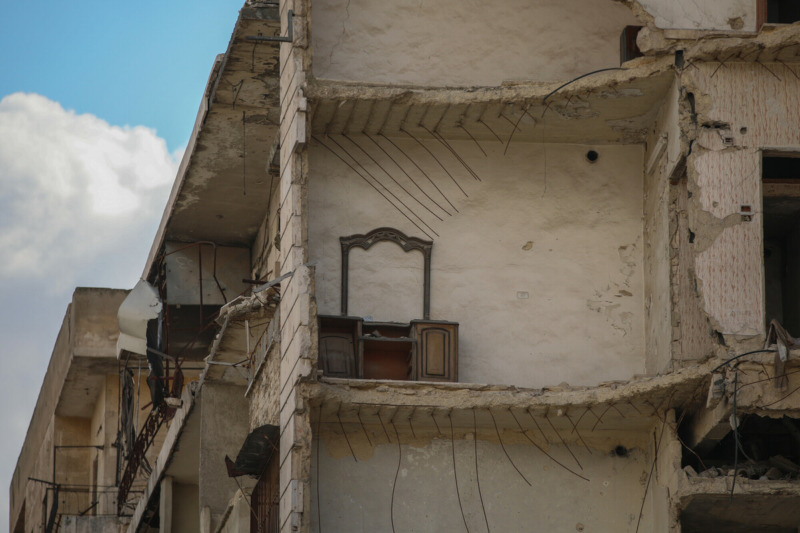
[776,468]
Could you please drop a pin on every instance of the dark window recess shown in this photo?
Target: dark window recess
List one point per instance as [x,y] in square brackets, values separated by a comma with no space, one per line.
[765,443]
[769,451]
[780,168]
[422,350]
[783,11]
[781,209]
[628,49]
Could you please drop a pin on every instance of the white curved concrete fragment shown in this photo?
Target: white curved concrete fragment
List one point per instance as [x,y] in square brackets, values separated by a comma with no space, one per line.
[141,305]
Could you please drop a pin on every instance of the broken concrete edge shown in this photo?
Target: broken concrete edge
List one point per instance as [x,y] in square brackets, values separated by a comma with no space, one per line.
[709,44]
[166,453]
[516,92]
[245,306]
[239,494]
[688,487]
[683,387]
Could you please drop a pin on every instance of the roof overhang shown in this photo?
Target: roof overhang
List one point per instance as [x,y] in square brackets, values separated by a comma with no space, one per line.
[608,107]
[219,192]
[626,411]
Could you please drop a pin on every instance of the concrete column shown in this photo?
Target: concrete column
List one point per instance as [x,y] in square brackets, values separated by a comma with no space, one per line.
[224,425]
[165,506]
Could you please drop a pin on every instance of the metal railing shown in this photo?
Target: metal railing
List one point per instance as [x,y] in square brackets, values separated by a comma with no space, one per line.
[143,441]
[78,500]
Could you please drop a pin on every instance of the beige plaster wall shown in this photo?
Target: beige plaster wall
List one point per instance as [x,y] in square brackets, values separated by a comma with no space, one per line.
[94,316]
[456,42]
[661,155]
[103,433]
[690,14]
[357,496]
[224,424]
[185,511]
[574,248]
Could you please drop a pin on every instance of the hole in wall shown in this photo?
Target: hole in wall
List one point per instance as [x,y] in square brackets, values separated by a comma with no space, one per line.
[743,130]
[691,237]
[764,443]
[620,451]
[679,58]
[592,156]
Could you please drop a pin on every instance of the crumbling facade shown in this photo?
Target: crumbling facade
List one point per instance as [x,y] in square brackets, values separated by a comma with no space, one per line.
[423,263]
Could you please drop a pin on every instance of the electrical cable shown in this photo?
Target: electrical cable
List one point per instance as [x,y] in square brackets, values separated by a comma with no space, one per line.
[554,91]
[739,357]
[735,434]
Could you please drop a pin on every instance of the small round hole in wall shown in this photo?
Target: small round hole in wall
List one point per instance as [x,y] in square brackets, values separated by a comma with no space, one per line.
[620,451]
[743,130]
[592,156]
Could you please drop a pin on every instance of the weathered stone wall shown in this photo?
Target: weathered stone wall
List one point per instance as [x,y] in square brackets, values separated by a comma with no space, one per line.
[264,396]
[297,313]
[32,460]
[265,252]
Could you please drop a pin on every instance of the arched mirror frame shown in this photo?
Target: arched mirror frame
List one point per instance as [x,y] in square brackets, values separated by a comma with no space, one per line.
[407,243]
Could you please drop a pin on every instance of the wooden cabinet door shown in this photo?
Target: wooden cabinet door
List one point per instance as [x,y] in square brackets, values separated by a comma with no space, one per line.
[437,351]
[337,354]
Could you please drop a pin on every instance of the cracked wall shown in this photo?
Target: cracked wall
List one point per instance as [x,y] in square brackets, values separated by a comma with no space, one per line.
[741,109]
[541,264]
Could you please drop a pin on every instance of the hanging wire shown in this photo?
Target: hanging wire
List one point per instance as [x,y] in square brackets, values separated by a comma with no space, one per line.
[735,434]
[729,361]
[477,476]
[244,153]
[319,444]
[455,472]
[396,473]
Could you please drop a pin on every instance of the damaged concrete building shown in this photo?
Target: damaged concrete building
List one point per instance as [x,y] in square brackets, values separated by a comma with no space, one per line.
[507,266]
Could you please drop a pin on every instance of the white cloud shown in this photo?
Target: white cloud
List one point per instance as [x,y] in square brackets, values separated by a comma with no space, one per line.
[76,191]
[80,201]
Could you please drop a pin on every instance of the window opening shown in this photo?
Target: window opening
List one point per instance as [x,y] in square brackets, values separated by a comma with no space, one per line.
[781,208]
[783,11]
[769,452]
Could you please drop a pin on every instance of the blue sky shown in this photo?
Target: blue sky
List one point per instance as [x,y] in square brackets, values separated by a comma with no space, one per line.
[97,102]
[128,63]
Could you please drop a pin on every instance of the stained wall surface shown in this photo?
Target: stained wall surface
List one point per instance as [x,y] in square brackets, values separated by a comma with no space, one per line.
[661,156]
[453,42]
[413,488]
[540,262]
[759,109]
